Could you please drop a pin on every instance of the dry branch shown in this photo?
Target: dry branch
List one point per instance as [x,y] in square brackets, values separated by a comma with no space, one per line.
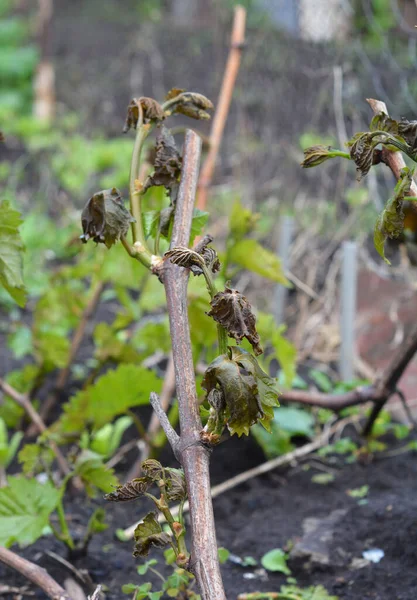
[34,573]
[223,104]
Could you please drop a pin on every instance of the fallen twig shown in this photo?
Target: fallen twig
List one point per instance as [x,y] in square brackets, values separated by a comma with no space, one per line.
[34,573]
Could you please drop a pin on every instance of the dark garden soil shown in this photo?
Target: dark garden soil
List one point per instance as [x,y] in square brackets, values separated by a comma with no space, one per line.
[269,512]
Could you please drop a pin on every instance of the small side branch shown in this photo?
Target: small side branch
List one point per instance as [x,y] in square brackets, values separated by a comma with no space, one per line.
[24,401]
[172,436]
[34,573]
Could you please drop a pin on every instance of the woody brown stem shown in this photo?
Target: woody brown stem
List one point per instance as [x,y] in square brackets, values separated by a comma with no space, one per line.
[34,573]
[194,457]
[223,104]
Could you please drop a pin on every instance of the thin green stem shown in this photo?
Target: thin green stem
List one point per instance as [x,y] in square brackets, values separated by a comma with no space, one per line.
[221,332]
[334,153]
[66,536]
[156,572]
[140,252]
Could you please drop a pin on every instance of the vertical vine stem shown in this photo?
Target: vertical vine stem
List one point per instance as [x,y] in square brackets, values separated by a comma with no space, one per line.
[194,457]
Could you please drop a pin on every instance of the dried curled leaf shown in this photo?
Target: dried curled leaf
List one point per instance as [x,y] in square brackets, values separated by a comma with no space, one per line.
[315,155]
[231,309]
[152,111]
[130,490]
[239,392]
[390,223]
[167,162]
[152,469]
[361,152]
[1,136]
[191,104]
[173,93]
[149,533]
[408,130]
[184,257]
[209,255]
[176,488]
[105,218]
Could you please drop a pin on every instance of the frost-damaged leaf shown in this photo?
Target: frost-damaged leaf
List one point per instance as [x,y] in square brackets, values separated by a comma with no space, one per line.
[239,391]
[250,255]
[408,130]
[382,122]
[1,136]
[153,469]
[240,394]
[130,490]
[390,223]
[190,104]
[267,387]
[231,309]
[11,250]
[149,533]
[105,218]
[316,155]
[209,255]
[167,164]
[361,152]
[175,484]
[112,394]
[25,506]
[152,111]
[184,257]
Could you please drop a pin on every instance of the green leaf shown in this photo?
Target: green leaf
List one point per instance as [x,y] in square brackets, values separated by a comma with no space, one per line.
[322,381]
[169,556]
[11,250]
[142,569]
[94,473]
[360,492]
[129,588]
[275,560]
[107,439]
[223,554]
[241,221]
[401,431]
[112,394]
[34,458]
[390,223]
[110,345]
[52,350]
[250,255]
[25,506]
[412,445]
[323,478]
[11,448]
[200,218]
[342,446]
[149,533]
[286,354]
[295,421]
[96,523]
[274,442]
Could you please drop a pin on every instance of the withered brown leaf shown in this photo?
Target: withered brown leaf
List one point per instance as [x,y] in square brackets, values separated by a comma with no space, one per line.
[167,163]
[149,533]
[105,218]
[232,310]
[130,490]
[152,111]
